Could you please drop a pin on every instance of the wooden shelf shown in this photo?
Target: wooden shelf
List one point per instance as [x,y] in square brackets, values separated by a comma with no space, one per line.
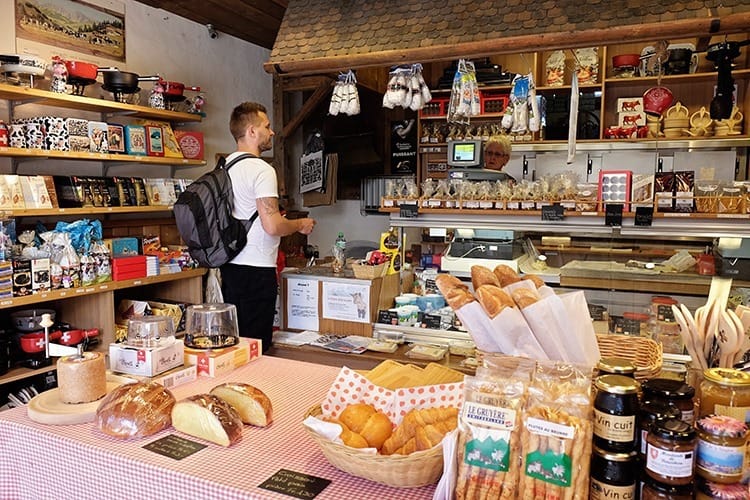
[46,212]
[667,79]
[116,158]
[29,95]
[15,374]
[98,288]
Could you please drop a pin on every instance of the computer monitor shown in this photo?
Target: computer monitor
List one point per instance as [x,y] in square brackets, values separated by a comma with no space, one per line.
[466,153]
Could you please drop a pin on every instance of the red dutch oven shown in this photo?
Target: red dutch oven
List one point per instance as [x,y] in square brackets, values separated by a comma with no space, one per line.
[626,60]
[33,343]
[175,89]
[81,70]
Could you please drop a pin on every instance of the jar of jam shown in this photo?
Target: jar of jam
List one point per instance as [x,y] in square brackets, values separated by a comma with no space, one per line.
[613,475]
[676,392]
[670,452]
[720,456]
[616,366]
[650,413]
[615,411]
[707,490]
[726,391]
[654,490]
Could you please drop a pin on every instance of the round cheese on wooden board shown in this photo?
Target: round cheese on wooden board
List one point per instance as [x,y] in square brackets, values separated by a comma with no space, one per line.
[48,408]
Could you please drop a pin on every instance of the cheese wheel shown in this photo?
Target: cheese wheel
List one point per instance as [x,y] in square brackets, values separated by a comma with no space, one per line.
[250,402]
[208,417]
[135,410]
[82,379]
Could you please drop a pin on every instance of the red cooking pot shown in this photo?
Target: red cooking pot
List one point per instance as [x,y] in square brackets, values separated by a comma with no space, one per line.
[81,70]
[34,342]
[175,89]
[626,60]
[75,337]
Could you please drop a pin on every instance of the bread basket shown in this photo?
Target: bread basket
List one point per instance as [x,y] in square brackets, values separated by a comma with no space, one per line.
[644,353]
[400,471]
[367,272]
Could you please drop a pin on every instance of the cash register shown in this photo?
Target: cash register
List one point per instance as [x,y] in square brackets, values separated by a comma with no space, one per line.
[484,247]
[466,162]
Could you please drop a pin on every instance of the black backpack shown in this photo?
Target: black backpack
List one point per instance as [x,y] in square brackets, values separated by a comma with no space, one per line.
[203,213]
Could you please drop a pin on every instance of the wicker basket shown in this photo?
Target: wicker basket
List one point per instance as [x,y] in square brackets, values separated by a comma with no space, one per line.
[400,471]
[644,353]
[365,272]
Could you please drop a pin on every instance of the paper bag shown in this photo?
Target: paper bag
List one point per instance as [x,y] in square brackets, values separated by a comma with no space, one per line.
[549,321]
[477,323]
[582,347]
[513,336]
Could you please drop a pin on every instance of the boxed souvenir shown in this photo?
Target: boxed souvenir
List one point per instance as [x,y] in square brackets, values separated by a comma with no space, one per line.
[684,187]
[35,193]
[115,138]
[56,133]
[40,275]
[642,190]
[125,191]
[34,131]
[78,134]
[17,136]
[14,192]
[664,184]
[630,104]
[216,362]
[69,189]
[124,246]
[146,361]
[135,139]
[154,141]
[139,190]
[160,191]
[49,183]
[97,132]
[191,143]
[174,377]
[169,140]
[21,277]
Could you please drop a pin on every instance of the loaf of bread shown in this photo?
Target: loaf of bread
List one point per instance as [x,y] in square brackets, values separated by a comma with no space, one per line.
[374,426]
[456,293]
[506,275]
[250,402]
[524,297]
[135,410]
[421,430]
[493,299]
[208,417]
[538,282]
[480,275]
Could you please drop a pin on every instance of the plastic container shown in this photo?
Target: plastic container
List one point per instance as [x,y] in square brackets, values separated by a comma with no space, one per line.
[211,326]
[339,254]
[150,331]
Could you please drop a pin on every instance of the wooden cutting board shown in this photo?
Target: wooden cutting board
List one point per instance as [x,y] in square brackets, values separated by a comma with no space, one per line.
[46,408]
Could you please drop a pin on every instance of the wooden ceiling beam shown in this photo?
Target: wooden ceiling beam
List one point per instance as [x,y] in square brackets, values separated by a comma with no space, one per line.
[321,92]
[732,23]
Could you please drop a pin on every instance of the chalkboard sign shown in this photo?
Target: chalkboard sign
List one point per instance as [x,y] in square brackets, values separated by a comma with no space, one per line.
[408,210]
[553,212]
[173,446]
[644,216]
[295,484]
[429,321]
[613,214]
[388,317]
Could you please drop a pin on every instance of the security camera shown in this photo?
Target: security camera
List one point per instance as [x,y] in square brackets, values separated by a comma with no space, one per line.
[212,31]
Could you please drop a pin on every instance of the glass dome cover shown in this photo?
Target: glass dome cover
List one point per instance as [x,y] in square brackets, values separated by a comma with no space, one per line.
[211,326]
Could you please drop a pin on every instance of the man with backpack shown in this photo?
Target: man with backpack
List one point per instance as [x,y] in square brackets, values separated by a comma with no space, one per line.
[249,279]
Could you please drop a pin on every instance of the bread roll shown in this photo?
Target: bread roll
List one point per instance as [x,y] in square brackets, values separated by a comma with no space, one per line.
[506,275]
[135,410]
[208,417]
[421,430]
[480,275]
[250,402]
[538,282]
[494,299]
[524,297]
[374,426]
[352,438]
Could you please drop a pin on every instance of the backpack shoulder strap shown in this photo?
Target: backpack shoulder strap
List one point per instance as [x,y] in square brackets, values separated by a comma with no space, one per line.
[226,166]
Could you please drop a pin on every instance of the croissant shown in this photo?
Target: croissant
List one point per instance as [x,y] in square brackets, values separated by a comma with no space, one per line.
[374,426]
[420,430]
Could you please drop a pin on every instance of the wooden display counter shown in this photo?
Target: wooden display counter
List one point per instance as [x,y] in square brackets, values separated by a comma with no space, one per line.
[314,298]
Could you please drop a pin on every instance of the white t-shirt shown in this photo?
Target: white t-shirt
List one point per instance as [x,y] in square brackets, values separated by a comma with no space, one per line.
[253,178]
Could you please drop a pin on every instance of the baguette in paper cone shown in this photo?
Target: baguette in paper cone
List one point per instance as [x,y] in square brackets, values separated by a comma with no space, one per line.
[456,293]
[538,282]
[493,299]
[480,275]
[524,297]
[506,275]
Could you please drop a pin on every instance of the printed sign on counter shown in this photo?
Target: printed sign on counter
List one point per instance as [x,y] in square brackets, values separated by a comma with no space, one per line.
[302,304]
[295,484]
[346,302]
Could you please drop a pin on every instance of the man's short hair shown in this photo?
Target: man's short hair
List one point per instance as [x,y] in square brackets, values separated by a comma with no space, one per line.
[243,116]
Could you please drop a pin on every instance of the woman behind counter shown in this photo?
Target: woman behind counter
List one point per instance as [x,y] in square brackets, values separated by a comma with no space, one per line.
[497,153]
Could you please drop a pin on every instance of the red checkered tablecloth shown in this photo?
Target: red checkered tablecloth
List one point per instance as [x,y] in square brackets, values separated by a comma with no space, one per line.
[39,462]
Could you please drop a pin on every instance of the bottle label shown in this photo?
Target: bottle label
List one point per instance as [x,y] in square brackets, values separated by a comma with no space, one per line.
[669,463]
[603,491]
[720,460]
[614,427]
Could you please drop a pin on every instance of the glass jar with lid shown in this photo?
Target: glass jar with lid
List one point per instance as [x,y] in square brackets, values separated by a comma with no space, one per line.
[654,490]
[615,411]
[720,456]
[726,391]
[670,452]
[612,365]
[708,490]
[613,474]
[676,392]
[650,413]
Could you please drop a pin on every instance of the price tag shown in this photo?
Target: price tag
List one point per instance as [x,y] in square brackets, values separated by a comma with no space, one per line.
[295,484]
[387,317]
[408,210]
[644,216]
[555,212]
[431,321]
[613,214]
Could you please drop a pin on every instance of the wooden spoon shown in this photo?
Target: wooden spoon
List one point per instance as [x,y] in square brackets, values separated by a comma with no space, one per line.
[696,337]
[688,337]
[728,339]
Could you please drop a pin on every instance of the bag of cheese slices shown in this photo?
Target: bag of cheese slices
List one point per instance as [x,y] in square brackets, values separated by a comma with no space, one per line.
[488,449]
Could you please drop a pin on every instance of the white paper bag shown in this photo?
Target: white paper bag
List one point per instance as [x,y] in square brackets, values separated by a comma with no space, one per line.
[549,321]
[512,335]
[477,323]
[583,347]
